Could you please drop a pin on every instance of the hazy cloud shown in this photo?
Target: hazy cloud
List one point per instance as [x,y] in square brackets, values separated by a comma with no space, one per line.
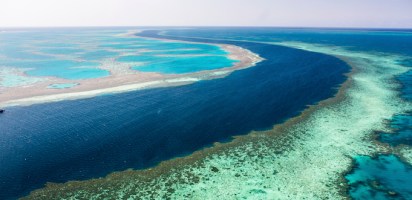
[318,13]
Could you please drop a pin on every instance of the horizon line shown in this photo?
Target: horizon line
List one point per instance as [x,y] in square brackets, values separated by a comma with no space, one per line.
[209,26]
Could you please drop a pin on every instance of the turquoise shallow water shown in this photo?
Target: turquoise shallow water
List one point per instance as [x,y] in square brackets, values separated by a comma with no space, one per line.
[61,50]
[98,55]
[63,68]
[406,80]
[402,124]
[12,53]
[78,54]
[384,177]
[66,69]
[178,65]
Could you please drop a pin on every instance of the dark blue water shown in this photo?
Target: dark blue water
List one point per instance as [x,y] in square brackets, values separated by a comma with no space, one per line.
[373,40]
[81,139]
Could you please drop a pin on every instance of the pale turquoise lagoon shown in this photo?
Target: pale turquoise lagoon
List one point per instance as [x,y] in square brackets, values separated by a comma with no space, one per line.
[99,55]
[88,53]
[67,69]
[171,65]
[61,50]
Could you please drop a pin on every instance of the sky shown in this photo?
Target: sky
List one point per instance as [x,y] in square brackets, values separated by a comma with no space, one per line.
[284,13]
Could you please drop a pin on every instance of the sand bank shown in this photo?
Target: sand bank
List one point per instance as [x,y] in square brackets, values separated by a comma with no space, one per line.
[121,79]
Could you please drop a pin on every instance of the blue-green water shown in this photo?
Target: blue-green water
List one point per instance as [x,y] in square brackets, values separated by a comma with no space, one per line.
[402,124]
[80,53]
[171,65]
[66,69]
[98,55]
[383,177]
[89,138]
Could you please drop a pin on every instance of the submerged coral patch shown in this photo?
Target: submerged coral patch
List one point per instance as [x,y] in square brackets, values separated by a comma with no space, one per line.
[402,134]
[383,177]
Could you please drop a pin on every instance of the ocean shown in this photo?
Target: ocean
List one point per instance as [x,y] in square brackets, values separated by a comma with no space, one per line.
[91,138]
[387,176]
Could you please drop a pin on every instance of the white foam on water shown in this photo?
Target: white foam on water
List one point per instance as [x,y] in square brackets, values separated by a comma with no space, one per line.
[183,79]
[219,73]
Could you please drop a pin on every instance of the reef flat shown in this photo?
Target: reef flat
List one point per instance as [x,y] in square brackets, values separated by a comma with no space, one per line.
[304,158]
[110,64]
